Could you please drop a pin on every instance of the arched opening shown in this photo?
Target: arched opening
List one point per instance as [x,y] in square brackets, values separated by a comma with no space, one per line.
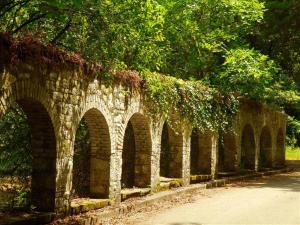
[28,154]
[265,148]
[201,147]
[194,152]
[248,148]
[280,151]
[91,159]
[136,155]
[171,153]
[227,152]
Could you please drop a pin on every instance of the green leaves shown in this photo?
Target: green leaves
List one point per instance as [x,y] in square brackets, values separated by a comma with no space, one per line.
[199,32]
[202,107]
[189,39]
[246,71]
[182,38]
[15,149]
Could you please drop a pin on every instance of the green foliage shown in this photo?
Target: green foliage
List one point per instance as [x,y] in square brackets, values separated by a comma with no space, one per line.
[15,150]
[279,35]
[119,34]
[293,131]
[15,156]
[23,197]
[252,74]
[188,39]
[181,38]
[199,31]
[203,107]
[81,160]
[245,69]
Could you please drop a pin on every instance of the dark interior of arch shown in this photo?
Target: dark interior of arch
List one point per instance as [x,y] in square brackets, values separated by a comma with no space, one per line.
[128,158]
[229,152]
[81,162]
[136,155]
[265,148]
[248,148]
[43,147]
[171,153]
[194,159]
[91,160]
[165,153]
[201,147]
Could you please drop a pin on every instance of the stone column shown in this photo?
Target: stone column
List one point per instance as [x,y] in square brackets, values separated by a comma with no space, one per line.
[155,156]
[116,158]
[186,157]
[214,155]
[257,150]
[64,167]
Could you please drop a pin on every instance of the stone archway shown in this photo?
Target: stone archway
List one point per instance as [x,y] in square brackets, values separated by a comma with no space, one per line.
[201,147]
[171,153]
[265,156]
[91,169]
[280,151]
[248,148]
[43,154]
[136,155]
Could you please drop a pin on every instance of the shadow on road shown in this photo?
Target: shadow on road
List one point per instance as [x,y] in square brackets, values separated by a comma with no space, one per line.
[285,182]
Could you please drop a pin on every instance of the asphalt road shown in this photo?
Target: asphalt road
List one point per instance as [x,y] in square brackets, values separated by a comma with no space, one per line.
[275,200]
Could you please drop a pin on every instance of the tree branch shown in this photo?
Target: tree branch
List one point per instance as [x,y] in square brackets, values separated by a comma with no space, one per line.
[34,18]
[21,3]
[62,31]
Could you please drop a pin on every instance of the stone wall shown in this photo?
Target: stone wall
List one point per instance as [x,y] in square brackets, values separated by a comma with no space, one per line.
[55,103]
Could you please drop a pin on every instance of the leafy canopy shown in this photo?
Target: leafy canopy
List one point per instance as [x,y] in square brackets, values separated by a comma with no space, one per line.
[218,40]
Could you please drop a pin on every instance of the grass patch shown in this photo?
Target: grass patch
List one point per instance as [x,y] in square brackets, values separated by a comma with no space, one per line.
[292,153]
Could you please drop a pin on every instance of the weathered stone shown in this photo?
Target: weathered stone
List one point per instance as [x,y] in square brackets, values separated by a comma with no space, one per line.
[56,103]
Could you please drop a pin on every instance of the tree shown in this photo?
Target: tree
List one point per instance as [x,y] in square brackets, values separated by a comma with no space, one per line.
[121,34]
[199,32]
[278,36]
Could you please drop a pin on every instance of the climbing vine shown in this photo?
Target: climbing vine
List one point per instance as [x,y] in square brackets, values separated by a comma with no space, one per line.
[201,106]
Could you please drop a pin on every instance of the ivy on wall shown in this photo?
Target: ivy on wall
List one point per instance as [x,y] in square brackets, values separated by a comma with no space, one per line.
[177,100]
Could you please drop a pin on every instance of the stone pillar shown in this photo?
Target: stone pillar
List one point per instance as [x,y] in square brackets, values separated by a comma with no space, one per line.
[155,156]
[257,150]
[64,167]
[274,149]
[186,157]
[115,170]
[214,155]
[116,158]
[239,151]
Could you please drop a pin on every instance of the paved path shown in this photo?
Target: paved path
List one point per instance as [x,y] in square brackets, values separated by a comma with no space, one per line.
[267,201]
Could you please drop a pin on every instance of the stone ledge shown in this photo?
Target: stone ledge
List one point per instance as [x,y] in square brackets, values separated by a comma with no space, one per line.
[85,205]
[134,192]
[199,178]
[169,183]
